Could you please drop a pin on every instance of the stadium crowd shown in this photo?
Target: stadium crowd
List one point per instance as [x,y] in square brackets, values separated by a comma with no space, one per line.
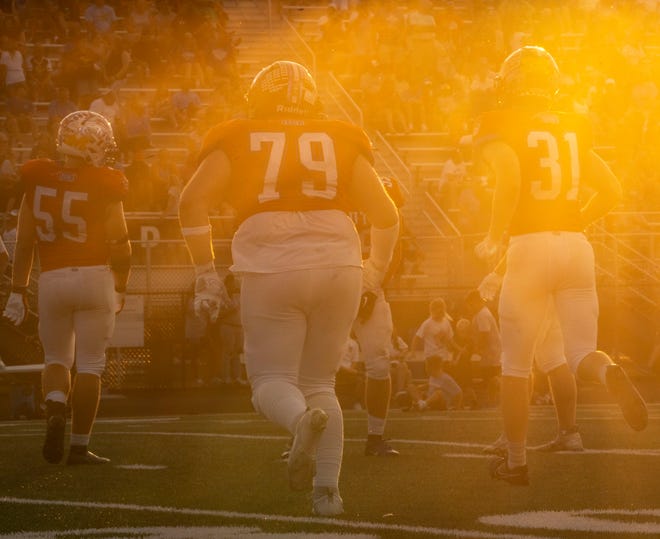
[414,66]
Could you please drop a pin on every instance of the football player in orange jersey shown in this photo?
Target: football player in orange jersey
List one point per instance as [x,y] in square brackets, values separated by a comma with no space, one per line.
[373,330]
[541,159]
[72,215]
[292,175]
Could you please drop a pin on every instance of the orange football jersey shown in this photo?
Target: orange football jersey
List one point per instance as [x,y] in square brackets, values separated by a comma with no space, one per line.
[288,164]
[68,205]
[550,147]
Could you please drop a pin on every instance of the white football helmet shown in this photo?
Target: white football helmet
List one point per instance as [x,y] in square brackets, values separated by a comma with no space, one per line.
[87,135]
[528,71]
[283,88]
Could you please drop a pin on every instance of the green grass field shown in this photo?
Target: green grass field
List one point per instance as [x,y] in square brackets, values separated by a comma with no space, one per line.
[221,475]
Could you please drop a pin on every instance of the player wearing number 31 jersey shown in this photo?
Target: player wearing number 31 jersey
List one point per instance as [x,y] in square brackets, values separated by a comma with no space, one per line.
[292,176]
[542,161]
[72,215]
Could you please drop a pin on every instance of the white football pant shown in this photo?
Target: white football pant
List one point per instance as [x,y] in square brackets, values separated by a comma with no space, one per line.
[76,316]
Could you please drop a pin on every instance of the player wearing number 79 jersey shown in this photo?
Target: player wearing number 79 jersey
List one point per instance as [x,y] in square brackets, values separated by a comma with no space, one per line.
[292,176]
[72,215]
[541,161]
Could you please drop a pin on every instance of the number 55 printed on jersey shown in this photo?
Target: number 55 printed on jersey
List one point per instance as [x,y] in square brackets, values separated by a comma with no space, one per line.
[73,227]
[324,163]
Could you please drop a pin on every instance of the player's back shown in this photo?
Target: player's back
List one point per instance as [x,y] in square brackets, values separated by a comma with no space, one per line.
[69,209]
[551,148]
[289,184]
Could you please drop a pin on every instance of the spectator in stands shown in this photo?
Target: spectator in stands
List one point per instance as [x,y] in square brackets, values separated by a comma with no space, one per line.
[20,113]
[39,75]
[8,176]
[44,145]
[188,60]
[461,368]
[440,392]
[118,64]
[454,172]
[107,105]
[486,345]
[59,107]
[81,65]
[185,105]
[331,41]
[141,196]
[482,88]
[100,17]
[134,124]
[435,335]
[220,58]
[9,231]
[167,179]
[12,63]
[140,16]
[371,83]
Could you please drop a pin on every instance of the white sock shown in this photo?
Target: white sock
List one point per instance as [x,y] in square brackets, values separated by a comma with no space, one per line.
[280,402]
[517,454]
[331,445]
[56,396]
[79,439]
[375,425]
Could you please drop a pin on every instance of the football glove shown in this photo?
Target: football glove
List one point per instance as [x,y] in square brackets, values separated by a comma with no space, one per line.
[120,300]
[489,286]
[372,275]
[211,297]
[486,248]
[16,308]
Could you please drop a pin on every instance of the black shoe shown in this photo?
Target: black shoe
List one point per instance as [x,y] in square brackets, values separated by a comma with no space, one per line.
[53,449]
[75,459]
[627,397]
[515,476]
[379,448]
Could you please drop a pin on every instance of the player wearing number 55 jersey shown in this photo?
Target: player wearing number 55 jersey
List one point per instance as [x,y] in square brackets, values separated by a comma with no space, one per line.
[72,215]
[544,165]
[292,176]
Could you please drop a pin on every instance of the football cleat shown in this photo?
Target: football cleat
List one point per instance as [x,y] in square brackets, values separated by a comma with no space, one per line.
[87,135]
[627,397]
[53,448]
[283,88]
[515,476]
[76,459]
[379,448]
[327,502]
[565,441]
[301,464]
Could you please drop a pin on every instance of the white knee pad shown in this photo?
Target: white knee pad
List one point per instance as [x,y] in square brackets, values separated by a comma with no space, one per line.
[94,366]
[377,368]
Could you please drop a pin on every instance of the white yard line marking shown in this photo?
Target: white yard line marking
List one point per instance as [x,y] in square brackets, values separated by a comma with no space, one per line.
[583,520]
[365,525]
[437,443]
